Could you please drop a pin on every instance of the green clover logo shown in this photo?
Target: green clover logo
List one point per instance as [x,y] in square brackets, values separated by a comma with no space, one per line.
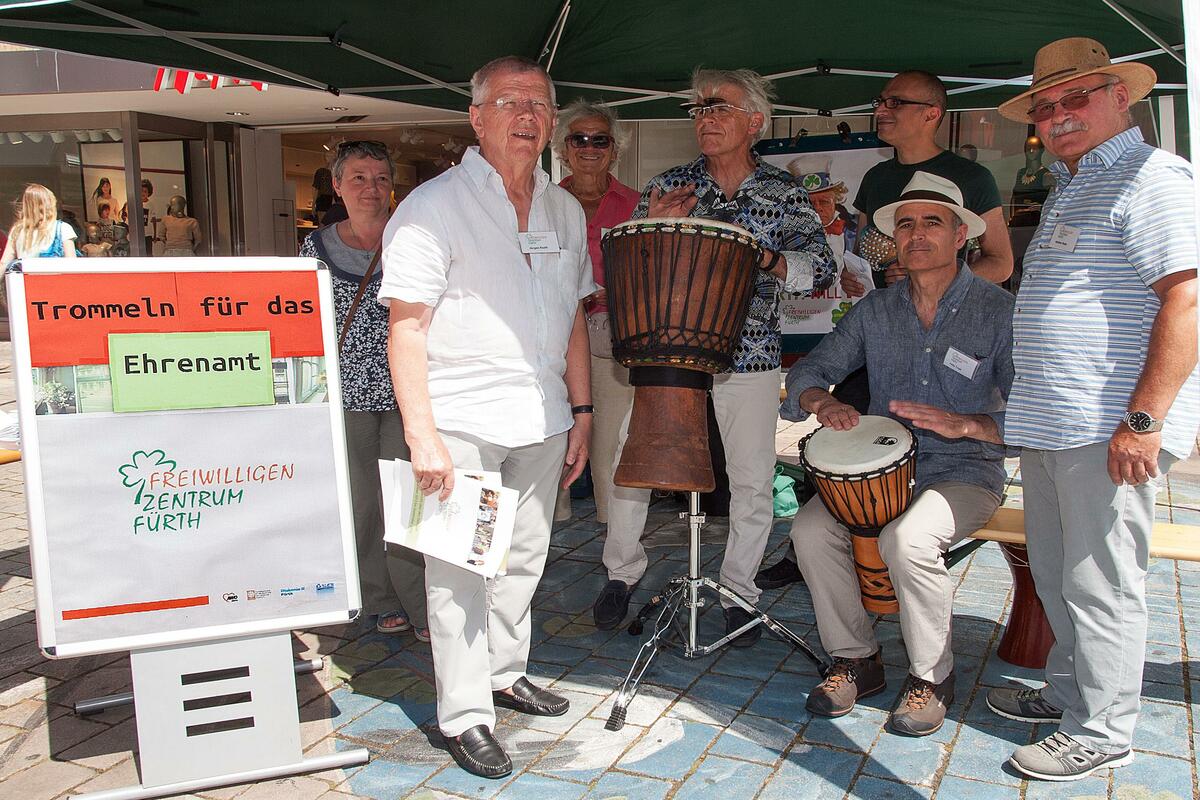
[141,464]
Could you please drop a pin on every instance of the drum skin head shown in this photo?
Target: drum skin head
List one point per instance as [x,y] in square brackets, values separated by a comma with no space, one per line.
[875,442]
[683,222]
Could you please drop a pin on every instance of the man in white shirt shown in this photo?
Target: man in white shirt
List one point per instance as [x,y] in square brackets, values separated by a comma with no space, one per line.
[484,270]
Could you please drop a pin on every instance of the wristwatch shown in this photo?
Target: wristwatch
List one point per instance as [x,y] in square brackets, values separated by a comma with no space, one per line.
[1141,422]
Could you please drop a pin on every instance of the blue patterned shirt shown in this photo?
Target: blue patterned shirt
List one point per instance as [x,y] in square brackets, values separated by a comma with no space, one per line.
[774,208]
[1082,324]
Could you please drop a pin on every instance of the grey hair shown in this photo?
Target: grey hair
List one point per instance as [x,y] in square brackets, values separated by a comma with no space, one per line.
[349,150]
[759,91]
[518,64]
[582,109]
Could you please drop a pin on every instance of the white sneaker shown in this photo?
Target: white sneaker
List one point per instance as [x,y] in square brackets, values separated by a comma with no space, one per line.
[1060,758]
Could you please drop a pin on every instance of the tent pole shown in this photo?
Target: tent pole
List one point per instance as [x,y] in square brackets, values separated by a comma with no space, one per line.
[1191,37]
[1149,34]
[250,62]
[358,51]
[556,33]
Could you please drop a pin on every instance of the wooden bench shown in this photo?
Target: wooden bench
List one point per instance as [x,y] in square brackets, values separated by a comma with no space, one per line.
[1027,637]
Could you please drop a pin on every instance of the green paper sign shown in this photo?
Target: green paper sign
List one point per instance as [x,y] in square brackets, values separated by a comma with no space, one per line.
[165,371]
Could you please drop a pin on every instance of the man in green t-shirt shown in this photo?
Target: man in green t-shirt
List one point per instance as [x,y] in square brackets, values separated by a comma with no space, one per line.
[908,113]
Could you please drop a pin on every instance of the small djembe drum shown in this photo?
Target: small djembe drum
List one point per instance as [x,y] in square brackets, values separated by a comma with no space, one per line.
[865,478]
[678,294]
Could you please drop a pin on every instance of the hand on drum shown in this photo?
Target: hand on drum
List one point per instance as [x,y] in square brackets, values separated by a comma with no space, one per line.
[931,418]
[675,203]
[1133,457]
[433,470]
[837,415]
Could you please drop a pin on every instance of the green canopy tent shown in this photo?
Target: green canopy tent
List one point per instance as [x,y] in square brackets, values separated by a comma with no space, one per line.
[824,57]
[827,58]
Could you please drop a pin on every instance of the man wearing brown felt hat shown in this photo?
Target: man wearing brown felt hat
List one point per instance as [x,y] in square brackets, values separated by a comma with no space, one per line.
[1105,398]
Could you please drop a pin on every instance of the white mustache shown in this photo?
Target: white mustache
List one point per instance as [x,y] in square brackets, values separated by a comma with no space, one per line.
[1068,126]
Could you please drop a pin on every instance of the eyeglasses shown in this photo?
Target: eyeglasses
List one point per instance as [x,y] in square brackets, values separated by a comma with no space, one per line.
[893,103]
[1072,101]
[512,105]
[719,108]
[600,141]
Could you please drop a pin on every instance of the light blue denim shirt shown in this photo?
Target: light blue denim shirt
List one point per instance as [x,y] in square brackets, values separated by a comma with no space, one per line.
[907,362]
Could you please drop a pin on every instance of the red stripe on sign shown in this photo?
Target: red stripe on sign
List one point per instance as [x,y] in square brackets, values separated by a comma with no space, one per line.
[135,608]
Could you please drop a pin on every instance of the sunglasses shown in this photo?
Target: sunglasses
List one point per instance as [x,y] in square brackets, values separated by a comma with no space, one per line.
[716,109]
[893,103]
[1070,102]
[600,141]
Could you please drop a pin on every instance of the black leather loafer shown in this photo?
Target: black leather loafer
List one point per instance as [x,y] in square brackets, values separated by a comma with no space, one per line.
[529,699]
[612,605]
[736,617]
[782,573]
[478,752]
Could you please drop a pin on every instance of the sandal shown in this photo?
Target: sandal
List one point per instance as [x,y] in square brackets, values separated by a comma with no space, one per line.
[421,634]
[399,618]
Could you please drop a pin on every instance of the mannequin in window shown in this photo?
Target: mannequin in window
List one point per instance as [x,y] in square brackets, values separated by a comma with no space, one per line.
[1033,182]
[182,233]
[94,247]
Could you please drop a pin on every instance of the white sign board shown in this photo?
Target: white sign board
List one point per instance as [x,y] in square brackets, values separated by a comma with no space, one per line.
[181,521]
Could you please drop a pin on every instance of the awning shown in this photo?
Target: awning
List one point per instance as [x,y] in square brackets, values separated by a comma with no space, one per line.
[824,57]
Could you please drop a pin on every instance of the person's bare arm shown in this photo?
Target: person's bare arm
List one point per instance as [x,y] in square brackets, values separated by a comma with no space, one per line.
[578,378]
[408,330]
[948,423]
[1170,359]
[995,261]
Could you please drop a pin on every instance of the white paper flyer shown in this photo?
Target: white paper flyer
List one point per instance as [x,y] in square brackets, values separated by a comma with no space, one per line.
[472,529]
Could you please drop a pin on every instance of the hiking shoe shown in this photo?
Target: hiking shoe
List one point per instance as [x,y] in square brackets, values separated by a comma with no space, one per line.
[612,604]
[1058,757]
[847,680]
[736,617]
[780,574]
[1023,705]
[922,706]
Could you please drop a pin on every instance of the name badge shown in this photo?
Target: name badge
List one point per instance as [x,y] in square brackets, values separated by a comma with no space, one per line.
[538,241]
[961,363]
[1064,237]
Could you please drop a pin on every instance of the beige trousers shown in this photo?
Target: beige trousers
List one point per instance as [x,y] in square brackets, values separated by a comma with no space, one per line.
[912,546]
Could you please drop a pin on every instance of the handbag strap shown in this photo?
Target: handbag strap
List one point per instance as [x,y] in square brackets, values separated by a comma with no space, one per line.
[358,296]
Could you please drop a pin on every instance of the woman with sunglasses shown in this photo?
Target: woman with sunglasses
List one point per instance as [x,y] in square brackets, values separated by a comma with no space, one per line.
[588,141]
[392,580]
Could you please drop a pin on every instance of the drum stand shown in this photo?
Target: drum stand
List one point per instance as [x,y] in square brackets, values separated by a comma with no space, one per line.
[669,629]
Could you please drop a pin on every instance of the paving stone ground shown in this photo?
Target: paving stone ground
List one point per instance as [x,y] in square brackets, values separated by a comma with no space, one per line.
[728,726]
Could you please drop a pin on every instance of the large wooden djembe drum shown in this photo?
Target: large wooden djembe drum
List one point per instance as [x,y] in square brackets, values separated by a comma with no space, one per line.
[865,478]
[678,294]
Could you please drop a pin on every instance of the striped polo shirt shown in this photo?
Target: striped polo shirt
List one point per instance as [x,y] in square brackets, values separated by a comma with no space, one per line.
[1081,327]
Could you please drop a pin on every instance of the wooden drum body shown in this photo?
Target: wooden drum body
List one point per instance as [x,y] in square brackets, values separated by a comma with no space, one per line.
[865,478]
[678,294]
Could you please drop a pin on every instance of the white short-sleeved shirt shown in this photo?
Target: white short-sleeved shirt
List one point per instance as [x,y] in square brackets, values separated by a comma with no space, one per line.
[497,341]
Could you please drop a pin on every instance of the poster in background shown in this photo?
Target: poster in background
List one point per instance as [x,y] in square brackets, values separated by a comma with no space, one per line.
[205,511]
[806,319]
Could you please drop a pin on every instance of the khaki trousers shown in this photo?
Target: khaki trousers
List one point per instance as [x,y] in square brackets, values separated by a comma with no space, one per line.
[912,546]
[480,628]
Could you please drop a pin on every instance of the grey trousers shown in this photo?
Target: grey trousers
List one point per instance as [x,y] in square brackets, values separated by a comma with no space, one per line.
[747,407]
[613,397]
[912,546]
[1089,547]
[480,628]
[389,577]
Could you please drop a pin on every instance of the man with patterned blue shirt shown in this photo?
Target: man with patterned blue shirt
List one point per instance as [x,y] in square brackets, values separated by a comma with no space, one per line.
[1106,395]
[729,183]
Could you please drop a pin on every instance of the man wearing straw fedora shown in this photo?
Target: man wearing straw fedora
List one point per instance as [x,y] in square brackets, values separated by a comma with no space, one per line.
[1105,398]
[938,344]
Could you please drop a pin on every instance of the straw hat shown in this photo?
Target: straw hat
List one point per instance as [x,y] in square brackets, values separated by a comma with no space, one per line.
[1068,59]
[926,187]
[813,172]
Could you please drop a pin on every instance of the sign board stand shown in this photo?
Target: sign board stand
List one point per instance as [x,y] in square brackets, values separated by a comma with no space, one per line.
[188,498]
[216,714]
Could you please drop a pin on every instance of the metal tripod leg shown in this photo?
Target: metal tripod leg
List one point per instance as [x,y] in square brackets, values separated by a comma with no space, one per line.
[686,591]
